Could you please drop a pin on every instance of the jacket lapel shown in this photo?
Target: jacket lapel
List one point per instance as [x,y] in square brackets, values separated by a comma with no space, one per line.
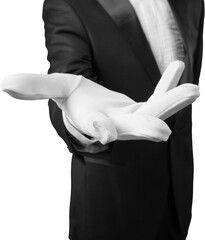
[124,16]
[180,16]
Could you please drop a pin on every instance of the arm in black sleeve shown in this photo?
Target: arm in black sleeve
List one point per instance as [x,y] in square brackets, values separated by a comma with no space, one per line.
[69,51]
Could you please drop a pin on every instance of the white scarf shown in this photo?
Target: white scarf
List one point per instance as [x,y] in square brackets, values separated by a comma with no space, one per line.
[161,30]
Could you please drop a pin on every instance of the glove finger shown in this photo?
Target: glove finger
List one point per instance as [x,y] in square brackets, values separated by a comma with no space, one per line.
[28,86]
[169,79]
[100,127]
[136,127]
[171,102]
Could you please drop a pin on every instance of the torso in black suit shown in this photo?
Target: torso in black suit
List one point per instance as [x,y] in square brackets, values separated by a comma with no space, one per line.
[136,189]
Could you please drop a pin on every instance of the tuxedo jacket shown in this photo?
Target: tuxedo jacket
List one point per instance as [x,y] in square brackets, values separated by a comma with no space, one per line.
[130,185]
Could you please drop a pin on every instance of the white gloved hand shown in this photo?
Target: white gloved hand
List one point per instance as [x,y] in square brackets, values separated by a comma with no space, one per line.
[104,114]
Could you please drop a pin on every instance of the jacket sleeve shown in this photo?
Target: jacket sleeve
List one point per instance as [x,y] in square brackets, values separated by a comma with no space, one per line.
[69,51]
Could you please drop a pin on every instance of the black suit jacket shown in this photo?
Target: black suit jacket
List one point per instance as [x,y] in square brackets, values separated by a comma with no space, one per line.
[103,41]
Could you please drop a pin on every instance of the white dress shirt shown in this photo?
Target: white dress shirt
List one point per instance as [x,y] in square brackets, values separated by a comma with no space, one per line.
[164,38]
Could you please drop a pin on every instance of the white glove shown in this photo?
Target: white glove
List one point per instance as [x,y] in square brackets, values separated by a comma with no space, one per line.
[104,114]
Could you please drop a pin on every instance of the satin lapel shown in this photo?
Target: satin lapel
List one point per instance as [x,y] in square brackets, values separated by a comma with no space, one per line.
[123,14]
[179,12]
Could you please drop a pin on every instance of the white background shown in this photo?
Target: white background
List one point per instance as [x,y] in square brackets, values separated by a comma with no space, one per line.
[34,161]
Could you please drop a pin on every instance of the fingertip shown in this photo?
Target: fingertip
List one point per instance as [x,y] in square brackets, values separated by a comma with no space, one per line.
[179,64]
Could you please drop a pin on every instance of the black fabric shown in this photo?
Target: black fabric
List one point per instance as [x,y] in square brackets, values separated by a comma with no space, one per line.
[134,189]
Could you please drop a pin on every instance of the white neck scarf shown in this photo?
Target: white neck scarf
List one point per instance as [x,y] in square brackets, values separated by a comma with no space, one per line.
[161,31]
